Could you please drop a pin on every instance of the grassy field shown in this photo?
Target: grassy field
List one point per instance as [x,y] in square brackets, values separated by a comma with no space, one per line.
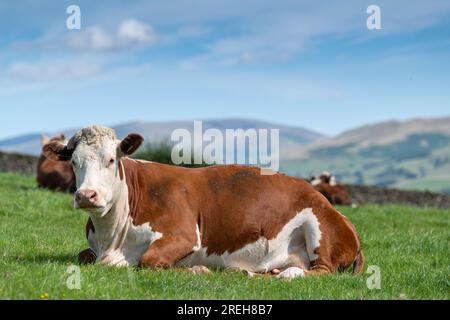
[40,236]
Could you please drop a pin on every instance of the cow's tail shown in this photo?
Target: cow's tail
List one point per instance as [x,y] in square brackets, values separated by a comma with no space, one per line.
[358,264]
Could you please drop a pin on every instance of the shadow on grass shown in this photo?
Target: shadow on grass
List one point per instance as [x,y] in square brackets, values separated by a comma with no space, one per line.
[48,258]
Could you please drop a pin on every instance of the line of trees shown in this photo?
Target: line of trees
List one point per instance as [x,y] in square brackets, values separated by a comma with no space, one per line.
[161,151]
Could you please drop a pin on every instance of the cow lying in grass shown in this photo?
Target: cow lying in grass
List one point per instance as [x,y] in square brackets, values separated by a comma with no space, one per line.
[55,175]
[336,193]
[230,216]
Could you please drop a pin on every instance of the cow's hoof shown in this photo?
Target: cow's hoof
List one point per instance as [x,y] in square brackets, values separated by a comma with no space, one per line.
[87,256]
[291,273]
[199,270]
[249,273]
[276,271]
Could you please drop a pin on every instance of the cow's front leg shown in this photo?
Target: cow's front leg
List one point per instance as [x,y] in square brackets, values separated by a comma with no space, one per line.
[167,251]
[87,256]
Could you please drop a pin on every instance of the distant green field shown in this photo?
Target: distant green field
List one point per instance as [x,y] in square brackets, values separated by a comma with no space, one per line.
[420,162]
[40,236]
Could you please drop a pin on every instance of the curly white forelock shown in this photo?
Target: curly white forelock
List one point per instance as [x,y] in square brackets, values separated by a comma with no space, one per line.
[92,135]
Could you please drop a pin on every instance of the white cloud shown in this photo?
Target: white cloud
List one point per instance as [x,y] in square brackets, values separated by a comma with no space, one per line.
[135,32]
[130,33]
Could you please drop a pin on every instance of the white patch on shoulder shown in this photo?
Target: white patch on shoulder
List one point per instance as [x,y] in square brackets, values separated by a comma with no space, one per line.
[137,241]
[139,238]
[294,245]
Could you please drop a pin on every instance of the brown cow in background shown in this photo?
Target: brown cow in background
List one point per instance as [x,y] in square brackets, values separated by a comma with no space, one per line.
[55,175]
[336,193]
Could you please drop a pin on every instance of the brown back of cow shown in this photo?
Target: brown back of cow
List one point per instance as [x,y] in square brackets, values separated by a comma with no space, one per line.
[337,194]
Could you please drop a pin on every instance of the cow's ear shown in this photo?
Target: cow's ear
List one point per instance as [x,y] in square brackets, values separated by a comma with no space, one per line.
[44,139]
[57,151]
[130,144]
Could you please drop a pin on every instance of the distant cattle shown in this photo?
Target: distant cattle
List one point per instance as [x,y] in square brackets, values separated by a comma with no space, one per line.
[336,193]
[229,216]
[55,175]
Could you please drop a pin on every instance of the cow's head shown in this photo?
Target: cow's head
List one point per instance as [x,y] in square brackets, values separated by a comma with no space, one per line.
[326,177]
[95,153]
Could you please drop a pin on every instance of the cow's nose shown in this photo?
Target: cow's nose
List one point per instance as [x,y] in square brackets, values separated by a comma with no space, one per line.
[86,198]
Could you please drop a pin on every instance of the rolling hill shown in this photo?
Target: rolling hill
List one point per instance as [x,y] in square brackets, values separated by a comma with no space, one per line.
[412,154]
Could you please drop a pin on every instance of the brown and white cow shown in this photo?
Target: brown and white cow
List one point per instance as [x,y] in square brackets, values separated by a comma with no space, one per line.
[335,193]
[55,175]
[229,216]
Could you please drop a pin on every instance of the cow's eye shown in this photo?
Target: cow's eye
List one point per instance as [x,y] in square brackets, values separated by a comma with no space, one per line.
[111,162]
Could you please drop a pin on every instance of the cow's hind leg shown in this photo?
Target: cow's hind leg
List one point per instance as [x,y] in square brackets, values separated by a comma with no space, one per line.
[314,261]
[296,272]
[317,270]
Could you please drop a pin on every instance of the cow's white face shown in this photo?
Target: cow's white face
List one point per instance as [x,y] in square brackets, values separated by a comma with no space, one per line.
[326,178]
[96,171]
[95,153]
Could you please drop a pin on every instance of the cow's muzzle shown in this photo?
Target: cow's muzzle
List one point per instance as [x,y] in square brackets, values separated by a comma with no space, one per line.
[86,199]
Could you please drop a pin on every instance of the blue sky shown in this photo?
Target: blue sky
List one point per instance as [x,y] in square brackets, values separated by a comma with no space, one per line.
[305,63]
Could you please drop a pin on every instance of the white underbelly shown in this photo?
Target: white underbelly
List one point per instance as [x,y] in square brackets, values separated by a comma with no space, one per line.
[261,256]
[289,248]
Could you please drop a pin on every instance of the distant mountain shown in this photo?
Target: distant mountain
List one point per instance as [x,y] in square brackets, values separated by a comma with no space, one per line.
[411,154]
[290,137]
[382,133]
